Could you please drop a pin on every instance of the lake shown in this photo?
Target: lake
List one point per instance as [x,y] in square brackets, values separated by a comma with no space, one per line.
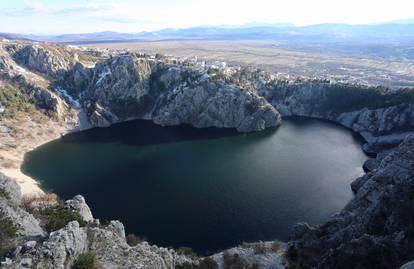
[207,189]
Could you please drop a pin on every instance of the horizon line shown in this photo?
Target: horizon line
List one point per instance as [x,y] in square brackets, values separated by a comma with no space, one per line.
[407,21]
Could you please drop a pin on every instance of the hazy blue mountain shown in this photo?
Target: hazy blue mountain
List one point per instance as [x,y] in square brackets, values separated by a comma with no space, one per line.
[320,33]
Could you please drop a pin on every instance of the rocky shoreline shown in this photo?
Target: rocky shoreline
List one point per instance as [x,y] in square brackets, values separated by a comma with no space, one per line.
[81,88]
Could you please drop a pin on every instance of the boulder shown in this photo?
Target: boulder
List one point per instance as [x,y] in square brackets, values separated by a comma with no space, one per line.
[78,205]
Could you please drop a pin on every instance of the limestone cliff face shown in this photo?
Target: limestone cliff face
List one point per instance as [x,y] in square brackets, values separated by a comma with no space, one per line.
[10,207]
[380,121]
[127,86]
[375,230]
[130,87]
[36,86]
[51,61]
[116,86]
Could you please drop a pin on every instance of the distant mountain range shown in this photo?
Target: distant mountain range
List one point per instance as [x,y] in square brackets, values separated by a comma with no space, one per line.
[398,32]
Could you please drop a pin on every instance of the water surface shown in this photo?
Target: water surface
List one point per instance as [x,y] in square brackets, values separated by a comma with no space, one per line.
[207,189]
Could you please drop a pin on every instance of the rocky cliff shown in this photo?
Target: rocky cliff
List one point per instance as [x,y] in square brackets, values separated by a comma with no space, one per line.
[33,247]
[83,88]
[130,86]
[382,117]
[375,230]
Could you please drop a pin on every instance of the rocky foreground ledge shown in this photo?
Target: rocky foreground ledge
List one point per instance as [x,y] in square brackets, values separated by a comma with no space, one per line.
[34,240]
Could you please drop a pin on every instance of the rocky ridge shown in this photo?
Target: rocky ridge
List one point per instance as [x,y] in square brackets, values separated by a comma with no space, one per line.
[375,229]
[381,122]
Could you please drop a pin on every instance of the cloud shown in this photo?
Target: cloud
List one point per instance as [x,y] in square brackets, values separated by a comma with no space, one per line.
[31,8]
[87,8]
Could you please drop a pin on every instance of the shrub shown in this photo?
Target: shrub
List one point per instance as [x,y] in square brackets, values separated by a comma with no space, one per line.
[343,98]
[86,261]
[411,193]
[259,248]
[159,56]
[57,218]
[292,254]
[4,194]
[133,240]
[14,101]
[206,263]
[49,209]
[233,261]
[38,203]
[7,231]
[186,251]
[275,247]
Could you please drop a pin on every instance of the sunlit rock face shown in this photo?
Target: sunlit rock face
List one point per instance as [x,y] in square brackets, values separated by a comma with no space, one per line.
[128,87]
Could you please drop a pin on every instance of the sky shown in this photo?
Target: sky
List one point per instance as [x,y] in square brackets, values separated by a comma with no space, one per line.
[81,16]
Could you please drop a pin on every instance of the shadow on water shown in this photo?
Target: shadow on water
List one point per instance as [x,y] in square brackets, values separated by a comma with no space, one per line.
[144,132]
[303,122]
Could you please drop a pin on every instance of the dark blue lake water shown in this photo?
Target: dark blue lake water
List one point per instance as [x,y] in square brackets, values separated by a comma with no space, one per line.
[207,189]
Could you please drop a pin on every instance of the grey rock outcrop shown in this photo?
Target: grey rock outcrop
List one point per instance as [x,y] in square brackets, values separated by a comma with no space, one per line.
[267,255]
[63,247]
[78,205]
[59,251]
[114,252]
[408,265]
[52,61]
[10,201]
[32,84]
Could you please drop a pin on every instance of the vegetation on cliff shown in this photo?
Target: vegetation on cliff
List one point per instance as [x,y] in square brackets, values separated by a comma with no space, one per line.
[13,101]
[8,231]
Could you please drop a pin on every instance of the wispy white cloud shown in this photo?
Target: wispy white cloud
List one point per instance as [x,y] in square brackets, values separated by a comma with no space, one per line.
[88,8]
[29,8]
[38,8]
[62,16]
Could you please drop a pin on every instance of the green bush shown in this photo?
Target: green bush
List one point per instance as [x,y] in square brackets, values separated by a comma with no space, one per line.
[86,261]
[234,261]
[276,246]
[133,240]
[347,98]
[259,248]
[206,263]
[4,194]
[8,230]
[57,218]
[14,101]
[186,251]
[159,56]
[292,254]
